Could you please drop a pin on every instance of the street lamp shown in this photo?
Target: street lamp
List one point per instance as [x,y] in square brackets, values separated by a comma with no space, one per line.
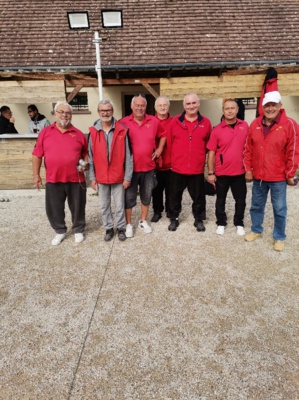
[110,19]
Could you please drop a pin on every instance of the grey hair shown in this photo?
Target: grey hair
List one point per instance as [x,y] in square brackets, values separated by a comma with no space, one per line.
[63,103]
[164,98]
[106,101]
[136,96]
[190,94]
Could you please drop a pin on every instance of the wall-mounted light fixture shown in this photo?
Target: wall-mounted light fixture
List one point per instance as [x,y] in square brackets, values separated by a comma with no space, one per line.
[110,19]
[78,20]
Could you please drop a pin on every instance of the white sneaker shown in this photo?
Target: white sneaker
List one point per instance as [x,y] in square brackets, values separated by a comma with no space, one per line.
[129,231]
[79,237]
[240,231]
[220,230]
[145,227]
[58,239]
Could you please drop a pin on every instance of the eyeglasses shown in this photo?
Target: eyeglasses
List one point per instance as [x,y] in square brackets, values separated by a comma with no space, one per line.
[105,111]
[64,112]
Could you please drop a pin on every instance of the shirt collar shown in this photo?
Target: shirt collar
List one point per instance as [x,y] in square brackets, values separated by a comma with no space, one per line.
[275,120]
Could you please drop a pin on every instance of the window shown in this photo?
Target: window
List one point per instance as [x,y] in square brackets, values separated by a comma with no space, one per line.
[250,102]
[80,102]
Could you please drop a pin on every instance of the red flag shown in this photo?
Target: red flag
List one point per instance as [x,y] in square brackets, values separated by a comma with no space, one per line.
[270,85]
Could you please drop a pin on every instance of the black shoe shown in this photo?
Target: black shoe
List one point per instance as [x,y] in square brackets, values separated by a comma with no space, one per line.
[174,223]
[121,234]
[199,226]
[156,217]
[109,235]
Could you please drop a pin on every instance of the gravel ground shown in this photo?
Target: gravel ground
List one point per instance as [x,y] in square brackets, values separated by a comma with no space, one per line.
[170,315]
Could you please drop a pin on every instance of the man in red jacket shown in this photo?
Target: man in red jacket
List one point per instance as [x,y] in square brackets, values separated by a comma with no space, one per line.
[188,136]
[271,158]
[163,165]
[111,167]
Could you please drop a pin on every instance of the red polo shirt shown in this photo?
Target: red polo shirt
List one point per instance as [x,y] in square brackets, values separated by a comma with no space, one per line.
[143,140]
[228,144]
[61,152]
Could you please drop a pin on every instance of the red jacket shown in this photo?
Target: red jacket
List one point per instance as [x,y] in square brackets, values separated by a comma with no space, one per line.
[105,172]
[275,157]
[164,161]
[188,150]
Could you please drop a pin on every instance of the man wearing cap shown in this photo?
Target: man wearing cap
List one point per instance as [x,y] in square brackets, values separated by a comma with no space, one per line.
[271,158]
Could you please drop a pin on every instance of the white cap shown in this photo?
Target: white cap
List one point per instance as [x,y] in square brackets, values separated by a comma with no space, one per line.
[271,97]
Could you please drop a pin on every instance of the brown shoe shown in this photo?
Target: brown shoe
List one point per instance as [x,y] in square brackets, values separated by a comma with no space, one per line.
[250,237]
[278,245]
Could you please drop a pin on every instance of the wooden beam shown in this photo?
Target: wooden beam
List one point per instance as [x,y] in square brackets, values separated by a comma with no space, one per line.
[150,89]
[25,92]
[212,87]
[112,82]
[73,93]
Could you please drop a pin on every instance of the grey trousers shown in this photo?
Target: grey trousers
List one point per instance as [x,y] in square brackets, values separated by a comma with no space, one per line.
[75,194]
[117,191]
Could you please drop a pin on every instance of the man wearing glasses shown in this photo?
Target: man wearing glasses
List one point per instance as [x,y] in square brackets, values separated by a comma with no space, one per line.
[7,121]
[147,138]
[63,148]
[111,167]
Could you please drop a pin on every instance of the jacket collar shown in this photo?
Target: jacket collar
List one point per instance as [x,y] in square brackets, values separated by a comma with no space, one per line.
[99,127]
[182,117]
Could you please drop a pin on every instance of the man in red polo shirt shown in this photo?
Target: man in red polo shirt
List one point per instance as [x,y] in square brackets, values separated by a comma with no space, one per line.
[62,146]
[225,165]
[163,164]
[144,131]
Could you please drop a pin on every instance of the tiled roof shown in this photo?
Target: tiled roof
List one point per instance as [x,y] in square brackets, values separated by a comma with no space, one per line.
[36,33]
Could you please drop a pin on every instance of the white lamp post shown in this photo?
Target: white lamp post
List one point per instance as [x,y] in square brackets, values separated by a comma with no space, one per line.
[110,19]
[97,40]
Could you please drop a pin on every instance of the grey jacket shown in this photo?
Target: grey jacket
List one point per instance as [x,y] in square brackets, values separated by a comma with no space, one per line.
[38,124]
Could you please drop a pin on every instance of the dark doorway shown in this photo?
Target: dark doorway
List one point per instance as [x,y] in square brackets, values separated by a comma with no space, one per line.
[150,109]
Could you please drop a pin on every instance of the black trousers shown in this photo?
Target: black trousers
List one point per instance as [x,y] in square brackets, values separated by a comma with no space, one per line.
[238,187]
[163,178]
[196,189]
[56,194]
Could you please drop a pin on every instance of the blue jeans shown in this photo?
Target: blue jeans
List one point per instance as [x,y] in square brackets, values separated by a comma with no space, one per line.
[278,192]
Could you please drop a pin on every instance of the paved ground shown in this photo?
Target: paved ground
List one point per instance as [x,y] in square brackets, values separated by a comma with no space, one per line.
[170,315]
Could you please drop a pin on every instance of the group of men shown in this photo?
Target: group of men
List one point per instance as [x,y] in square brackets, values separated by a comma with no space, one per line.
[160,156]
[36,124]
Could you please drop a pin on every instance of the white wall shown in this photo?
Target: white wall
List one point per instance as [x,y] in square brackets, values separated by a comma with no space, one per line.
[210,108]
